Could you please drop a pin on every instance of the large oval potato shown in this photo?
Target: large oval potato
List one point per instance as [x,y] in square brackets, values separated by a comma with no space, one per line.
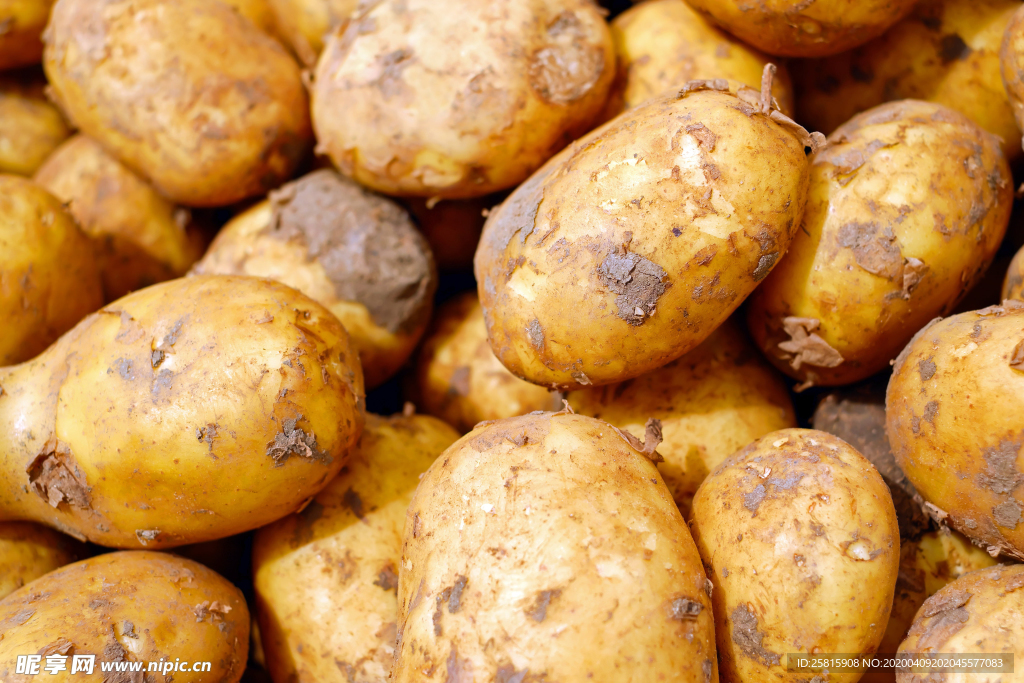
[545,547]
[326,579]
[30,126]
[305,23]
[906,209]
[188,94]
[1013,286]
[792,529]
[48,275]
[401,111]
[711,402]
[21,28]
[135,606]
[955,419]
[27,551]
[629,248]
[355,252]
[188,411]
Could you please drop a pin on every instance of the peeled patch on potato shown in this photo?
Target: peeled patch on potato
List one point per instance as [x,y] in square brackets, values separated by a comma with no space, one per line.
[30,126]
[28,551]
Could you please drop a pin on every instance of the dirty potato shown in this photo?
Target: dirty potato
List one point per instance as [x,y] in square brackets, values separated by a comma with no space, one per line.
[48,275]
[27,551]
[906,209]
[188,94]
[452,228]
[955,420]
[305,23]
[546,547]
[458,378]
[401,111]
[191,410]
[629,248]
[30,127]
[134,606]
[791,530]
[1013,286]
[21,27]
[711,402]
[353,251]
[326,579]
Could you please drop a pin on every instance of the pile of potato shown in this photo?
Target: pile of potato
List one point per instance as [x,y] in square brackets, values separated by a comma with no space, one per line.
[510,341]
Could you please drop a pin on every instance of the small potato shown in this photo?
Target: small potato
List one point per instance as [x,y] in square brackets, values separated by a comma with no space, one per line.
[955,419]
[711,402]
[1013,287]
[27,551]
[21,27]
[30,126]
[547,548]
[629,248]
[305,23]
[135,606]
[452,228]
[792,530]
[48,275]
[460,98]
[355,252]
[906,209]
[326,579]
[189,94]
[458,378]
[188,411]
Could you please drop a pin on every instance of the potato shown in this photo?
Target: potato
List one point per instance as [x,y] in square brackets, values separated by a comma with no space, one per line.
[1013,286]
[906,209]
[399,109]
[711,402]
[304,23]
[628,249]
[356,253]
[326,579]
[188,411]
[1011,60]
[663,44]
[451,228]
[21,26]
[188,94]
[135,606]
[459,380]
[258,12]
[30,127]
[954,412]
[546,547]
[797,28]
[946,51]
[792,529]
[48,276]
[27,551]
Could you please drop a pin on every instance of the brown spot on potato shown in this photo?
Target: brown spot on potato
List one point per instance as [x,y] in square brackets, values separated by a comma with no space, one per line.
[926,368]
[507,673]
[63,646]
[748,638]
[913,271]
[1001,475]
[752,500]
[875,248]
[391,66]
[1007,514]
[354,503]
[947,616]
[764,266]
[682,609]
[953,48]
[55,476]
[539,610]
[387,578]
[805,347]
[535,334]
[637,281]
[705,138]
[931,409]
[293,440]
[458,670]
[568,67]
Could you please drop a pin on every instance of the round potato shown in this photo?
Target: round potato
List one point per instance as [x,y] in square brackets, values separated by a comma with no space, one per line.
[1013,286]
[27,551]
[451,228]
[189,94]
[791,529]
[188,411]
[629,248]
[305,23]
[326,578]
[906,209]
[48,275]
[151,608]
[458,378]
[946,51]
[955,419]
[355,252]
[21,27]
[711,402]
[401,111]
[30,127]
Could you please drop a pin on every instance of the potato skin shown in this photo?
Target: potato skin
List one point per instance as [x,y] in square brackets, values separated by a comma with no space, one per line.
[711,402]
[326,579]
[30,127]
[954,411]
[128,606]
[400,111]
[305,23]
[48,276]
[543,547]
[23,22]
[1013,286]
[906,209]
[677,209]
[191,410]
[1011,64]
[188,94]
[27,551]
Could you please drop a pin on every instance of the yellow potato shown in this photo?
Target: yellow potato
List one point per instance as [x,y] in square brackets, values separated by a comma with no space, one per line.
[188,411]
[954,412]
[30,127]
[48,275]
[711,402]
[189,94]
[258,12]
[326,579]
[799,537]
[547,548]
[21,27]
[452,228]
[1011,58]
[629,248]
[906,209]
[1013,286]
[459,380]
[27,551]
[946,51]
[461,98]
[356,253]
[156,611]
[305,23]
